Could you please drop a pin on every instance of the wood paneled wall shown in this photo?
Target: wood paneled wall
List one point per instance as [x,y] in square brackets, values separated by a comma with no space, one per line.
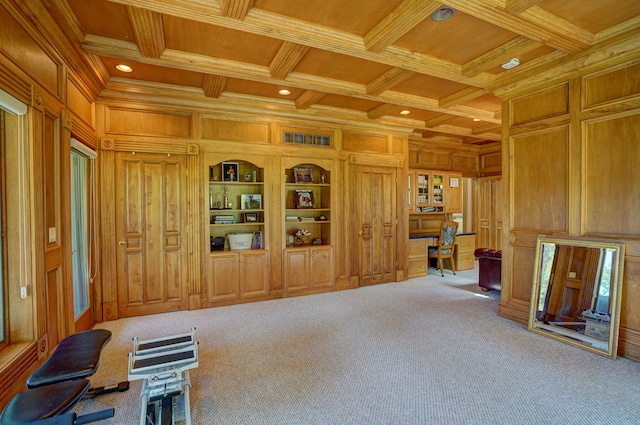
[60,106]
[571,168]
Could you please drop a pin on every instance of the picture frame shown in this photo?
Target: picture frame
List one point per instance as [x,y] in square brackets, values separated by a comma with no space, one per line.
[303,175]
[304,198]
[230,171]
[251,201]
[250,217]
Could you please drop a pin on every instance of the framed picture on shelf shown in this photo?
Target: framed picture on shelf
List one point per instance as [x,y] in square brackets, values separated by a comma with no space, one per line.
[230,171]
[304,198]
[251,201]
[303,175]
[250,217]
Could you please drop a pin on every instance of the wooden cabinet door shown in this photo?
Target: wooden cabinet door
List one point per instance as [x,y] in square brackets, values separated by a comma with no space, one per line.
[376,207]
[222,277]
[321,270]
[296,269]
[150,226]
[254,273]
[453,192]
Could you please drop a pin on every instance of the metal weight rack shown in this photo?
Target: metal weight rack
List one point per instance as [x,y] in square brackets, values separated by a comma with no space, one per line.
[164,364]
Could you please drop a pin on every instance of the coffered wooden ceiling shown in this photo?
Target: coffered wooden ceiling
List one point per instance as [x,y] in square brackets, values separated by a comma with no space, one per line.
[355,61]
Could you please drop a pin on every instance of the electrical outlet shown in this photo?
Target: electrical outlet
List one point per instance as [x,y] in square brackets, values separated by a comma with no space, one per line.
[572,275]
[52,234]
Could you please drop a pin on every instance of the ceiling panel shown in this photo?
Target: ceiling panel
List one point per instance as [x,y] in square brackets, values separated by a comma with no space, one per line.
[429,87]
[459,40]
[340,67]
[595,16]
[218,42]
[103,18]
[353,17]
[235,85]
[347,102]
[153,73]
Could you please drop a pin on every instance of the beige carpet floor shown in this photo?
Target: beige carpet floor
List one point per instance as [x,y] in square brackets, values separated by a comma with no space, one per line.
[429,350]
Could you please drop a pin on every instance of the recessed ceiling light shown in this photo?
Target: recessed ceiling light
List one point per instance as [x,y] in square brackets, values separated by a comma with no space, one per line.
[124,68]
[477,119]
[443,13]
[405,112]
[284,92]
[511,63]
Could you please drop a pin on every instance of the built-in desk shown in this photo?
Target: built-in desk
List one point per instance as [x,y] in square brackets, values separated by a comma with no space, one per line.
[419,250]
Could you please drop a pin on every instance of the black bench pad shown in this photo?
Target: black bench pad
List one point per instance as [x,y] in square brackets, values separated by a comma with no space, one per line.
[43,402]
[76,357]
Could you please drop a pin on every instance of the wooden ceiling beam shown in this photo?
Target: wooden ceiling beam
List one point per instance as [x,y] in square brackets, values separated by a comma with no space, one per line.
[433,122]
[388,80]
[286,59]
[511,49]
[534,23]
[465,132]
[488,128]
[461,96]
[400,21]
[214,85]
[308,98]
[149,31]
[209,65]
[516,7]
[380,111]
[236,9]
[280,27]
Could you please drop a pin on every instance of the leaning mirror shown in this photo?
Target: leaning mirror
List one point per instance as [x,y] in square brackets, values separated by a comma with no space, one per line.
[576,292]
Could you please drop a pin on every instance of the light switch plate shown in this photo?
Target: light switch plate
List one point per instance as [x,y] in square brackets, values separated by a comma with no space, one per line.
[572,275]
[52,234]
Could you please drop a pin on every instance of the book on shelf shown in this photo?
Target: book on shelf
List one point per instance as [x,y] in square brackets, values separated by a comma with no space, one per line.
[257,240]
[292,218]
[307,219]
[224,222]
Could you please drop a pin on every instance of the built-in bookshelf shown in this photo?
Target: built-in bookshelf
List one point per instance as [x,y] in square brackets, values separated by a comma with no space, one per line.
[236,202]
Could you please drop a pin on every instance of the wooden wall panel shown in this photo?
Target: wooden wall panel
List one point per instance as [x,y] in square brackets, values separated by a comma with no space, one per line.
[464,162]
[431,160]
[147,123]
[611,85]
[490,163]
[237,131]
[522,272]
[540,181]
[397,147]
[574,172]
[630,314]
[542,104]
[18,44]
[364,142]
[612,176]
[79,104]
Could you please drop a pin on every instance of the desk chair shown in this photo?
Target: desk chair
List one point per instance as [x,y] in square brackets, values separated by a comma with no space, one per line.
[446,243]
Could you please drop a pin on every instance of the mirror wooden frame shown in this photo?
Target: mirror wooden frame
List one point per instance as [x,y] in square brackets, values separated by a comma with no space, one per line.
[578,331]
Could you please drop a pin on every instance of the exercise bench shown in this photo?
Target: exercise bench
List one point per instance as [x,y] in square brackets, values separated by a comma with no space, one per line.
[60,382]
[76,357]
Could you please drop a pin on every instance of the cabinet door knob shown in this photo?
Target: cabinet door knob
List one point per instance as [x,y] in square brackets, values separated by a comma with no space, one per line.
[122,243]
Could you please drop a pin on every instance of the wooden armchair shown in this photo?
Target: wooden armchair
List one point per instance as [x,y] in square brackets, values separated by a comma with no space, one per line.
[446,243]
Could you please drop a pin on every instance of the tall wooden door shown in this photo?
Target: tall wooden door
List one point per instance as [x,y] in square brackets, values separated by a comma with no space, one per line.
[490,212]
[151,226]
[376,207]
